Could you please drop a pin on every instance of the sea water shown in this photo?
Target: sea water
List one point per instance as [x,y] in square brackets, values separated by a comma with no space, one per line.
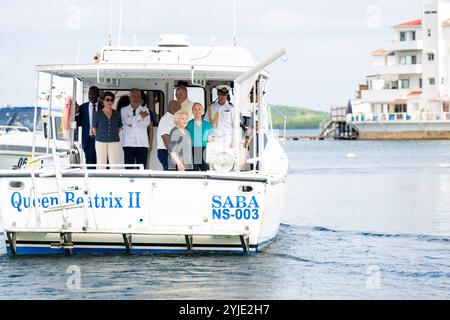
[372,226]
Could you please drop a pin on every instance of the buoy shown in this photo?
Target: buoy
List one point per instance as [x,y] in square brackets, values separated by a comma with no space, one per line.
[351,155]
[67,113]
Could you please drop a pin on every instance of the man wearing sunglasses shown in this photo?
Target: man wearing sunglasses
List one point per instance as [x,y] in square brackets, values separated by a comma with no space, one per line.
[136,119]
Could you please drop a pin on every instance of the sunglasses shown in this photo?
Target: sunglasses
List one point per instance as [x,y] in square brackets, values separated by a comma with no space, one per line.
[109,100]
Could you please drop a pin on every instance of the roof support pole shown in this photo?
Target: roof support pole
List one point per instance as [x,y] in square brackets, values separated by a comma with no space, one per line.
[49,117]
[73,125]
[238,83]
[33,152]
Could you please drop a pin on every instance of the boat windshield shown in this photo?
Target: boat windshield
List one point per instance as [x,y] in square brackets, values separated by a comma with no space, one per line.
[6,117]
[20,117]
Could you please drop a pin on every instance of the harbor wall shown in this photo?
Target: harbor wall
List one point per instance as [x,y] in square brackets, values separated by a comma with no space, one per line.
[406,135]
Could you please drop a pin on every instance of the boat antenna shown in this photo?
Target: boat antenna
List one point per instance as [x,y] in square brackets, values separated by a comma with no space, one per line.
[120,23]
[234,24]
[110,23]
[78,52]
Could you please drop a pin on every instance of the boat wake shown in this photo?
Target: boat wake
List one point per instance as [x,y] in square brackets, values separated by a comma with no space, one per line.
[369,234]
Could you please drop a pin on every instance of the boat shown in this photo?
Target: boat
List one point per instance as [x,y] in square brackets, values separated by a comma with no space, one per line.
[17,133]
[407,94]
[66,208]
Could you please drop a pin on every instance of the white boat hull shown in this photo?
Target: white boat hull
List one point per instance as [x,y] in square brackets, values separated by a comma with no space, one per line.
[140,211]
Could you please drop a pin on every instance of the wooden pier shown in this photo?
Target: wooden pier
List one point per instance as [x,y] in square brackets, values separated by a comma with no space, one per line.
[336,126]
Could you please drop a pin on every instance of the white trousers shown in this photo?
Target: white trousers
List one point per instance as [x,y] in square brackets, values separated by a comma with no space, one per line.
[108,152]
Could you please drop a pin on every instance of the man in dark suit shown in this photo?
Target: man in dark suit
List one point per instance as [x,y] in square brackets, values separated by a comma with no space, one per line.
[84,116]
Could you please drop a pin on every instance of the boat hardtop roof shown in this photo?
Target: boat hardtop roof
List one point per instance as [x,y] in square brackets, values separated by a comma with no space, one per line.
[170,59]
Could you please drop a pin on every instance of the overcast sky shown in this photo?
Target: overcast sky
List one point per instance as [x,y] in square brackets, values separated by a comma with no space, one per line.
[329,42]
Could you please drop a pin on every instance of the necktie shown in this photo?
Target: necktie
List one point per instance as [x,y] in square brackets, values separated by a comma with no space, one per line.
[93,114]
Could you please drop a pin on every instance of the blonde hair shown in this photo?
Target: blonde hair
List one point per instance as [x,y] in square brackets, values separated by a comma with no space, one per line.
[178,114]
[198,104]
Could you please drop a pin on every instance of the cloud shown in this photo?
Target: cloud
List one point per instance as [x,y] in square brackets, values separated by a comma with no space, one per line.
[328,41]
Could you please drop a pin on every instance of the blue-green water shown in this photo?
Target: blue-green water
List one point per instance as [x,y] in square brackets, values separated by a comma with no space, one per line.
[363,220]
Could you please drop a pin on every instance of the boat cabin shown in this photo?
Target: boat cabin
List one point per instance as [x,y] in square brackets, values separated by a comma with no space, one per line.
[159,70]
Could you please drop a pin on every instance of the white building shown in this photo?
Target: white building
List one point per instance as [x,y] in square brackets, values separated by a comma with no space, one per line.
[408,91]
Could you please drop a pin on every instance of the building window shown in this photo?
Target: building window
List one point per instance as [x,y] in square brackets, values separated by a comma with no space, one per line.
[420,83]
[408,36]
[432,81]
[442,80]
[408,60]
[429,32]
[445,107]
[431,57]
[401,108]
[404,84]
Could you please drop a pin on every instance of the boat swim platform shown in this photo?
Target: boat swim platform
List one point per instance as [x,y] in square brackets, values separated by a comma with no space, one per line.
[66,236]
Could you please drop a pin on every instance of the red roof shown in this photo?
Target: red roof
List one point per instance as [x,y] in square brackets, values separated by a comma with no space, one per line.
[414,23]
[378,52]
[415,94]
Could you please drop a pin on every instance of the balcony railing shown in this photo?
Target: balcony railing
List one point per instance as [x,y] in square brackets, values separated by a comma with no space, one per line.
[399,69]
[402,117]
[385,95]
[395,45]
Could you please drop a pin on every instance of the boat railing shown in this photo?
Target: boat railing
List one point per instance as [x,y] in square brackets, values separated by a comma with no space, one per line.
[77,167]
[338,114]
[14,128]
[283,136]
[402,117]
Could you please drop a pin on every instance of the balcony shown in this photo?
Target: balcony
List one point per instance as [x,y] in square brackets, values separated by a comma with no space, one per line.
[418,117]
[385,96]
[397,69]
[395,45]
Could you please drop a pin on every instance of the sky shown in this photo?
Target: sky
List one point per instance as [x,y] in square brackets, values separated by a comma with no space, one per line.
[328,42]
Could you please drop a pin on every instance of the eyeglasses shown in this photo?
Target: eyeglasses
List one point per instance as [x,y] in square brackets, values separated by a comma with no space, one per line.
[109,100]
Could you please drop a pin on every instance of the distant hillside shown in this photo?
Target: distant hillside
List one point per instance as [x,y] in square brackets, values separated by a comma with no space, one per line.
[297,118]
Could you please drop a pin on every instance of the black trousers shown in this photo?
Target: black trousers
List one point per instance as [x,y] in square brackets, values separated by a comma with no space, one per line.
[199,155]
[90,153]
[136,155]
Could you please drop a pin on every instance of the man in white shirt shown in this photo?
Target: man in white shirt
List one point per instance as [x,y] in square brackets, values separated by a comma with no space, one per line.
[136,120]
[181,95]
[221,116]
[166,124]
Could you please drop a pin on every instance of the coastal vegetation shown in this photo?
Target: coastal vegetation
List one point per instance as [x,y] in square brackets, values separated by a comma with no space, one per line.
[297,118]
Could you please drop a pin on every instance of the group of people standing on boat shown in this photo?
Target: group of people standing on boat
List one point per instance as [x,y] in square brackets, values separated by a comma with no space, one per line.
[124,135]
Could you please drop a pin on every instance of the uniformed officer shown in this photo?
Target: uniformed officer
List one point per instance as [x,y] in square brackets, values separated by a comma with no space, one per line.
[221,116]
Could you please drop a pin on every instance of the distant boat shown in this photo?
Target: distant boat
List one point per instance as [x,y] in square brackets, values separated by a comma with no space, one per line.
[17,134]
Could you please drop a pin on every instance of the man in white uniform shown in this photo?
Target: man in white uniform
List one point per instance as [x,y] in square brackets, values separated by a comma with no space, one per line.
[221,116]
[166,124]
[136,120]
[181,95]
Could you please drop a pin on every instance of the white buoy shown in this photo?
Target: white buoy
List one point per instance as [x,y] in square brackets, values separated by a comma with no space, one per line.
[351,155]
